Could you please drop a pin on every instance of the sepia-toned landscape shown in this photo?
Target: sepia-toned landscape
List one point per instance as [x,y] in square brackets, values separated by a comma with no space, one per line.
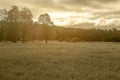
[59,40]
[60,61]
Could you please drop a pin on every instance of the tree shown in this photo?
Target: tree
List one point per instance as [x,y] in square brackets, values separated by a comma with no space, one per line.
[12,19]
[3,15]
[26,20]
[45,20]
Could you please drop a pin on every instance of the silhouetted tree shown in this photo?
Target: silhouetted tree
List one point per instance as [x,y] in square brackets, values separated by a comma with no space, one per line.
[12,19]
[26,20]
[3,15]
[45,20]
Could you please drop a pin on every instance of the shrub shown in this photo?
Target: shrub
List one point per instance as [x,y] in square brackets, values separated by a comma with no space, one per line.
[67,39]
[75,40]
[60,39]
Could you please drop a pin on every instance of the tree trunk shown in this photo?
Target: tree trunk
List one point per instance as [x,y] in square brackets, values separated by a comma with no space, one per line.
[46,33]
[24,33]
[1,35]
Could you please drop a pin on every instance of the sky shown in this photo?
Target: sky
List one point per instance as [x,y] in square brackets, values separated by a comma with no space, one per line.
[72,12]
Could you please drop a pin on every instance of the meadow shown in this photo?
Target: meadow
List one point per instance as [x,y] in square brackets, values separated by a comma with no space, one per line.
[60,61]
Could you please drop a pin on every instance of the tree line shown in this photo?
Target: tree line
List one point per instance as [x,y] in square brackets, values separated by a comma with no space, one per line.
[75,35]
[17,25]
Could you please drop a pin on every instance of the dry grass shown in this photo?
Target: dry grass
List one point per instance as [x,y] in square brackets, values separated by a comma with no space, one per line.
[60,61]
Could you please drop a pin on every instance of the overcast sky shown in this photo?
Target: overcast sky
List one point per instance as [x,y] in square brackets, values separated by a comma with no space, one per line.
[70,12]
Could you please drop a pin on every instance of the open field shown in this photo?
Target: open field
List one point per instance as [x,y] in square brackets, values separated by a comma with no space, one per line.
[60,61]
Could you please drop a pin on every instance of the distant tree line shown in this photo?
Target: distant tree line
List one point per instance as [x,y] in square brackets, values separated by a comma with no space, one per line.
[17,25]
[75,34]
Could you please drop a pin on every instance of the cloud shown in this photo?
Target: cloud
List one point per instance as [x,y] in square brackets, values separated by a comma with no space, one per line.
[97,9]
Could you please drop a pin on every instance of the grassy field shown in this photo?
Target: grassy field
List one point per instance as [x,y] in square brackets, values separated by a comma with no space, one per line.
[60,61]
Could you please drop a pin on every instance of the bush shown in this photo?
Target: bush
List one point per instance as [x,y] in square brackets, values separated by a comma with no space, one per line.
[60,39]
[75,40]
[67,39]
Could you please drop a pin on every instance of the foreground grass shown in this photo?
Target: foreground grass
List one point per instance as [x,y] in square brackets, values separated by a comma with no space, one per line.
[60,61]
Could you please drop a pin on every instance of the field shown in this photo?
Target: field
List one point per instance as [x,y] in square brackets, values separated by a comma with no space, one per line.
[60,61]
